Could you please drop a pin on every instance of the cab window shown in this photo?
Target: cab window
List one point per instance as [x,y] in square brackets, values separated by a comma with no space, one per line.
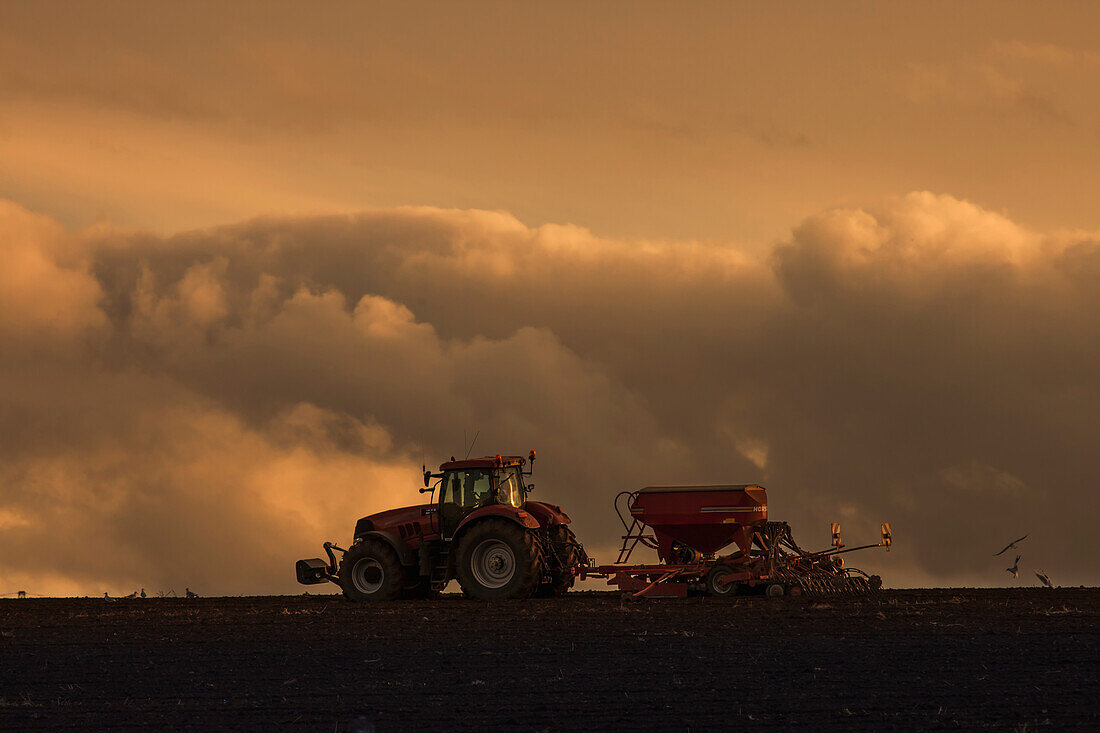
[509,487]
[462,491]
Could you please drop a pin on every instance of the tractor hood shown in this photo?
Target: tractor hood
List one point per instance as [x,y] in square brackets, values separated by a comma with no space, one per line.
[387,520]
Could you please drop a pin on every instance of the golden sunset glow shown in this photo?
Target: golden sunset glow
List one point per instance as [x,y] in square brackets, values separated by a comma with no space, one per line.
[259,261]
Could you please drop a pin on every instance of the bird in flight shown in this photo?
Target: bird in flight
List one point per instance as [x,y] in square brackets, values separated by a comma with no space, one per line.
[1011,545]
[1042,576]
[1015,569]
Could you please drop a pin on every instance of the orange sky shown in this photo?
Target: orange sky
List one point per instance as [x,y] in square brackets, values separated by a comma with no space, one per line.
[653,120]
[257,262]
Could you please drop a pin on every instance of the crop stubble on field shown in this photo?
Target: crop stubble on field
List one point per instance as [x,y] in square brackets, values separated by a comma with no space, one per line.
[900,659]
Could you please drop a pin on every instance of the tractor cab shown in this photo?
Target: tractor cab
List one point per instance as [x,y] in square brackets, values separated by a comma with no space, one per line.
[474,483]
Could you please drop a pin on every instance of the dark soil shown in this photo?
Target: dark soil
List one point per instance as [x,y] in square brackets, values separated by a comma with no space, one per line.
[1009,659]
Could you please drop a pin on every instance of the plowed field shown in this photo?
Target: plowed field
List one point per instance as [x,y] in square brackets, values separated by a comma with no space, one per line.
[956,658]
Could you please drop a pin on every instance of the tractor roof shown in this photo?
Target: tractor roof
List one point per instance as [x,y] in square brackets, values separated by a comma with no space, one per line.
[483,462]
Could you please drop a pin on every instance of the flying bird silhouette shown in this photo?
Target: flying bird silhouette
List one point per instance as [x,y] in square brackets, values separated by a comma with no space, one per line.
[1015,569]
[1042,576]
[1011,545]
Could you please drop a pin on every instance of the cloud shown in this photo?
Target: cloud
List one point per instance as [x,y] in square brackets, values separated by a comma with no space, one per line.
[1049,54]
[1039,82]
[46,295]
[176,492]
[205,408]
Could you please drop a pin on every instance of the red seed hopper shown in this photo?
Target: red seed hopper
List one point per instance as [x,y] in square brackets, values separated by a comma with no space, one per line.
[688,525]
[700,518]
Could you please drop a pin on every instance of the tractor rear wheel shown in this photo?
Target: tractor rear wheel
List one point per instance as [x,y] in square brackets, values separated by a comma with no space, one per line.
[497,558]
[563,543]
[370,571]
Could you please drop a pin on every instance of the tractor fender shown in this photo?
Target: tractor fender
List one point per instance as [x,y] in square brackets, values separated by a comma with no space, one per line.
[519,516]
[548,515]
[404,552]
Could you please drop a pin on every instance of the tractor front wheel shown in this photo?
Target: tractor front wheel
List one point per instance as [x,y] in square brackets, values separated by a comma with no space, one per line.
[497,558]
[370,571]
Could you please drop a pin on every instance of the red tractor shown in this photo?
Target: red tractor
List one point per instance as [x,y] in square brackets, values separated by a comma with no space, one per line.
[480,528]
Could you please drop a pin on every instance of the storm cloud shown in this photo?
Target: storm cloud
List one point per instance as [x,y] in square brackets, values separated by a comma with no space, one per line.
[202,409]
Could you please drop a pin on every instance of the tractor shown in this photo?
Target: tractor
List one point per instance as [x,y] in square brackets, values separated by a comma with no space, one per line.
[480,528]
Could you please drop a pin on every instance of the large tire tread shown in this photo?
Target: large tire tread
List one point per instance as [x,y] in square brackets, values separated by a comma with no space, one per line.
[525,547]
[393,574]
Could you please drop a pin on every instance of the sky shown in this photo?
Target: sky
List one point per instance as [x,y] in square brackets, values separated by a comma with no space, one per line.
[258,263]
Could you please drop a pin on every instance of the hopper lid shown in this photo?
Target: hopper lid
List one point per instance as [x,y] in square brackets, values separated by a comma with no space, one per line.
[713,487]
